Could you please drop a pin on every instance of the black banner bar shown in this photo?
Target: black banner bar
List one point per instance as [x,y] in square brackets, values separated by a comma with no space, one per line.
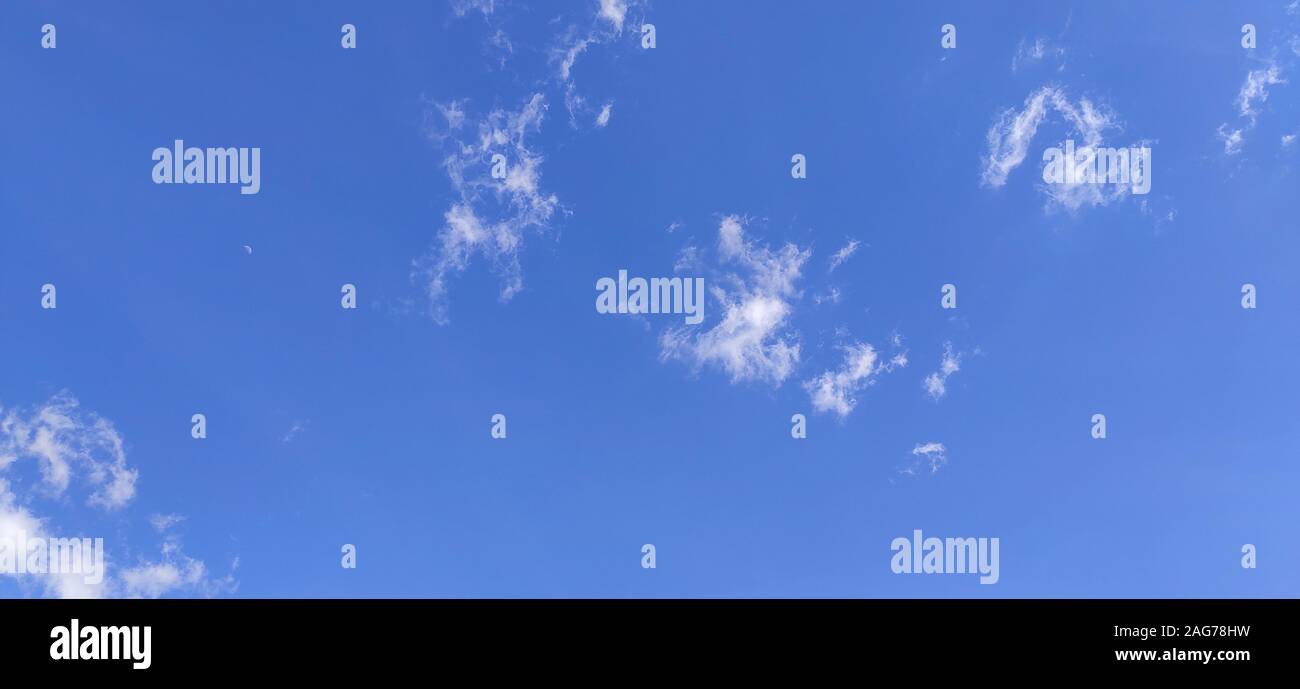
[245,637]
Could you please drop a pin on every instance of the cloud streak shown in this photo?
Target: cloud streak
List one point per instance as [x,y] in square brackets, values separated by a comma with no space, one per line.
[1014,130]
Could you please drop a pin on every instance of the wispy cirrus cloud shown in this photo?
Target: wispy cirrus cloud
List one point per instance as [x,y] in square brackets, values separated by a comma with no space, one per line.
[463,7]
[72,448]
[292,433]
[936,384]
[932,455]
[608,26]
[753,341]
[67,442]
[491,216]
[1015,129]
[162,522]
[1232,139]
[1036,51]
[836,391]
[1250,97]
[845,252]
[497,43]
[1009,137]
[1254,91]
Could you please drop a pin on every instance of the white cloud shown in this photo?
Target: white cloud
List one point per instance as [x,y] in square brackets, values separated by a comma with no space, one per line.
[933,454]
[688,259]
[1253,92]
[491,216]
[843,254]
[293,432]
[72,447]
[570,56]
[1287,140]
[608,27]
[64,441]
[453,113]
[163,522]
[153,580]
[1232,139]
[1036,51]
[752,342]
[831,296]
[614,11]
[936,384]
[498,42]
[1255,89]
[836,391]
[173,573]
[504,48]
[18,523]
[1009,137]
[463,7]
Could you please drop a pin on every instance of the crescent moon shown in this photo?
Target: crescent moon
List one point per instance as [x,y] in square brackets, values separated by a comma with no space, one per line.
[249,249]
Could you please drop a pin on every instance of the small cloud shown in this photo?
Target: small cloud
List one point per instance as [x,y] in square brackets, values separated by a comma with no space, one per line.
[603,118]
[163,522]
[1255,90]
[843,254]
[1253,93]
[463,7]
[936,384]
[293,432]
[453,113]
[1036,51]
[933,454]
[688,259]
[614,11]
[831,296]
[837,391]
[1231,138]
[156,579]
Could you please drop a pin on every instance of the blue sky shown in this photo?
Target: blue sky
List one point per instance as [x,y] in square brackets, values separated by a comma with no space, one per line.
[371,426]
